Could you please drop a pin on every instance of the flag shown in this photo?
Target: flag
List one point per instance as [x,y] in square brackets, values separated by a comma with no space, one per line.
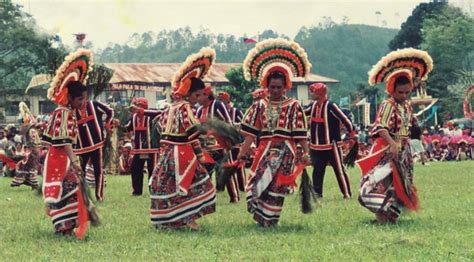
[249,40]
[362,102]
[80,38]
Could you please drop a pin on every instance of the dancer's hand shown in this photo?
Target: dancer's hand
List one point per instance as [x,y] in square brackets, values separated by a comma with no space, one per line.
[133,108]
[393,151]
[76,166]
[201,159]
[241,157]
[306,159]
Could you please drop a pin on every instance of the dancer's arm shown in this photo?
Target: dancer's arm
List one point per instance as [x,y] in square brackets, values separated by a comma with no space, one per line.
[74,159]
[393,146]
[245,147]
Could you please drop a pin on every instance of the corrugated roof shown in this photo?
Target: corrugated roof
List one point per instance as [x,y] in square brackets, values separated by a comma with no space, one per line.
[134,75]
[38,80]
[158,75]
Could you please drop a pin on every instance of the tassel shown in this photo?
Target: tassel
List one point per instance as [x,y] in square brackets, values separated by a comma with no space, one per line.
[91,210]
[107,151]
[39,189]
[226,134]
[307,193]
[351,157]
[98,79]
[93,215]
[406,193]
[224,174]
[82,215]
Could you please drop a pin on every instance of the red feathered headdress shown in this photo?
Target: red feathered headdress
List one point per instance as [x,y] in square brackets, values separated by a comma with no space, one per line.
[196,65]
[271,55]
[74,68]
[409,62]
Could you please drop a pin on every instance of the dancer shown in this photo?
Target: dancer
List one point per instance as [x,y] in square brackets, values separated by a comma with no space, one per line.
[387,173]
[92,131]
[62,191]
[279,122]
[211,109]
[181,190]
[325,139]
[141,125]
[30,165]
[237,180]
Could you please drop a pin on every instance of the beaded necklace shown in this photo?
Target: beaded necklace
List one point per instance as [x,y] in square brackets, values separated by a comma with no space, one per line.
[273,113]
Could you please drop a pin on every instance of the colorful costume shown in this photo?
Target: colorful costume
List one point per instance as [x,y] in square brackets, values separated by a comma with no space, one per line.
[277,124]
[61,189]
[217,110]
[239,179]
[143,150]
[91,139]
[326,119]
[30,166]
[387,184]
[181,190]
[125,160]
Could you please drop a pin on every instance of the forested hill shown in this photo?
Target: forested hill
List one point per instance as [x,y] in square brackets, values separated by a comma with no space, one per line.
[344,52]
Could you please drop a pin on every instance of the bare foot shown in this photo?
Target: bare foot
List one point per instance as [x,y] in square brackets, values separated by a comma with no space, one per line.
[193,225]
[381,218]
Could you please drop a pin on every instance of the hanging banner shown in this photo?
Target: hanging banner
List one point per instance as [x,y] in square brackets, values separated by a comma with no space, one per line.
[367,114]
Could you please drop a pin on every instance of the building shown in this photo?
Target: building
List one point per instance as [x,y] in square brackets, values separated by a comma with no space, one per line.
[153,81]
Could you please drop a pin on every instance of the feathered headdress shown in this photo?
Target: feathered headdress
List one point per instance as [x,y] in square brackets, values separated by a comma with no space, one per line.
[26,114]
[409,62]
[272,55]
[74,68]
[196,65]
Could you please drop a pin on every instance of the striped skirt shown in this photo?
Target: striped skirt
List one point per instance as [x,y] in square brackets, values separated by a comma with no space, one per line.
[60,190]
[27,170]
[264,196]
[64,213]
[377,191]
[170,206]
[23,177]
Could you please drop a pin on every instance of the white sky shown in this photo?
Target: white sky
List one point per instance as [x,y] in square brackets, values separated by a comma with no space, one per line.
[106,21]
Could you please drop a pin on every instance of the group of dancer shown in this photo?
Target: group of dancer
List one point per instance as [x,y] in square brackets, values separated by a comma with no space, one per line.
[274,130]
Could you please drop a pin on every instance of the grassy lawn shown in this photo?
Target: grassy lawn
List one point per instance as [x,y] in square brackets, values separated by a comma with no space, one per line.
[339,230]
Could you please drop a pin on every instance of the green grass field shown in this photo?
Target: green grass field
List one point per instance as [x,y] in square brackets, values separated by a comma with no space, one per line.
[339,230]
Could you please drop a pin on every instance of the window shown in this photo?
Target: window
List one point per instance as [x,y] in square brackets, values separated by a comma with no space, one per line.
[139,93]
[12,109]
[160,96]
[293,92]
[46,107]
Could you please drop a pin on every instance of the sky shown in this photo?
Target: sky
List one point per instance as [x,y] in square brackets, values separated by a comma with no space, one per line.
[114,21]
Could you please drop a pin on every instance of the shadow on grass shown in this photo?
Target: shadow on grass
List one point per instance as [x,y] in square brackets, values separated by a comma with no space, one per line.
[400,223]
[50,236]
[280,229]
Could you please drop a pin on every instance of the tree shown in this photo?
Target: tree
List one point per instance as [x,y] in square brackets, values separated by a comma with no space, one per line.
[344,52]
[240,89]
[24,50]
[449,39]
[410,33]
